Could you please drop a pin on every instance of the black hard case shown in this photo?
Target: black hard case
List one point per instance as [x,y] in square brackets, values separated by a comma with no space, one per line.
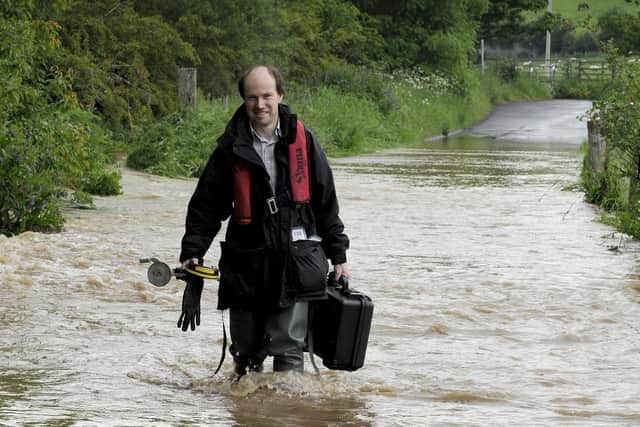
[340,327]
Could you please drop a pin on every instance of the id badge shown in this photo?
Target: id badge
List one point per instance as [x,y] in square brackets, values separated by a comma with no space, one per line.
[298,233]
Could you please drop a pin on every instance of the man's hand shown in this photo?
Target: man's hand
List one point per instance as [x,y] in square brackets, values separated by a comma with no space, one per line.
[186,262]
[341,270]
[191,304]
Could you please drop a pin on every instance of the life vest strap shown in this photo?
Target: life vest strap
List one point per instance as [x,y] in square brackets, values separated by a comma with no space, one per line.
[241,192]
[299,167]
[298,177]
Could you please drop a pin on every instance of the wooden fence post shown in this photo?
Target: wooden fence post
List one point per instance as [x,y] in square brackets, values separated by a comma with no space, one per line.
[579,70]
[633,184]
[597,147]
[482,56]
[187,86]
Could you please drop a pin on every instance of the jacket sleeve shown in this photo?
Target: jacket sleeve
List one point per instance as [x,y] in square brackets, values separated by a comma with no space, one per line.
[324,204]
[210,204]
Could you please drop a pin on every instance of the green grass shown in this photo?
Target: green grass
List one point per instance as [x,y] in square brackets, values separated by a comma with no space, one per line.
[569,8]
[582,19]
[406,110]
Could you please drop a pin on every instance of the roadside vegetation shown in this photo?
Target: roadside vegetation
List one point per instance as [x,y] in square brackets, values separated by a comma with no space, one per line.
[51,150]
[617,188]
[353,111]
[88,84]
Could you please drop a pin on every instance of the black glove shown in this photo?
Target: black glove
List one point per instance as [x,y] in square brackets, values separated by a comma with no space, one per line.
[191,304]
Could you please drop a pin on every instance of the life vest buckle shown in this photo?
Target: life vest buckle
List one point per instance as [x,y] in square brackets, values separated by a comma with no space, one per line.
[272,205]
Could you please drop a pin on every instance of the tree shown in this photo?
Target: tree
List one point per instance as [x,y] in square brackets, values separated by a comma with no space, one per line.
[45,140]
[505,19]
[124,65]
[437,33]
[302,37]
[622,30]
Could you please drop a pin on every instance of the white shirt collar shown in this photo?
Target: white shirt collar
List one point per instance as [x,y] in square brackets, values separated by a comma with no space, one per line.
[276,134]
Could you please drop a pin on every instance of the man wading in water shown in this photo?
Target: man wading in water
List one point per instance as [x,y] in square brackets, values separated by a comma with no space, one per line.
[269,173]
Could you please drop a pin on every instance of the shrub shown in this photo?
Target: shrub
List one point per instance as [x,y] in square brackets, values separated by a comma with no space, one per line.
[46,142]
[345,123]
[580,89]
[618,117]
[102,182]
[180,143]
[371,84]
[507,70]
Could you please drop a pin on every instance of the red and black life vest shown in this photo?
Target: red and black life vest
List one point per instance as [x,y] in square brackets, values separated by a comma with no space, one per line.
[298,176]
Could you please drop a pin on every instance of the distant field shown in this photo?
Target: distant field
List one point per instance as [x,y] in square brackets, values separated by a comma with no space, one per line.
[569,8]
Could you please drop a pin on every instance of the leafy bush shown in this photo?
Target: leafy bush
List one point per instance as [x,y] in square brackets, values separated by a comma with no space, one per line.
[46,142]
[523,87]
[180,143]
[102,182]
[344,123]
[364,82]
[123,65]
[507,70]
[618,116]
[622,29]
[580,89]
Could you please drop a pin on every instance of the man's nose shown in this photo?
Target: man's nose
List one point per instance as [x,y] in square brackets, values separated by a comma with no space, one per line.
[260,102]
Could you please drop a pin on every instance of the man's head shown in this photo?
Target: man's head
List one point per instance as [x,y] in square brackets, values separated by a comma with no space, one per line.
[262,90]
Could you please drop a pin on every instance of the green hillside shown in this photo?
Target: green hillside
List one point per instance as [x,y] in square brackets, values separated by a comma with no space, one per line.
[569,8]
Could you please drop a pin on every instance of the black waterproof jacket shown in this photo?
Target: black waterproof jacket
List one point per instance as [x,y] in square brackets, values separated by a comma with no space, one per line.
[255,263]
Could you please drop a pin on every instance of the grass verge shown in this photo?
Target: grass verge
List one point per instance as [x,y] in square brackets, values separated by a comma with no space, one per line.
[385,111]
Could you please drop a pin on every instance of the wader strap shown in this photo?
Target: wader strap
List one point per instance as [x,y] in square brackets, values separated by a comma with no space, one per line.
[310,340]
[224,345]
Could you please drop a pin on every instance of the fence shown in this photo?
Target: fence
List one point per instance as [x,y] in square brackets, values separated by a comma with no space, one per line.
[561,69]
[569,69]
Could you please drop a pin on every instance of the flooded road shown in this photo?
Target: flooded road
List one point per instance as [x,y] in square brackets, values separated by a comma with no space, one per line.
[499,300]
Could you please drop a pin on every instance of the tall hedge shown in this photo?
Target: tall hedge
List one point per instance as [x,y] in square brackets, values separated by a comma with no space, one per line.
[46,143]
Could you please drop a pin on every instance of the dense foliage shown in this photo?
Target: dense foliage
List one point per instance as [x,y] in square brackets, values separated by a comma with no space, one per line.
[578,27]
[47,144]
[622,29]
[505,19]
[618,116]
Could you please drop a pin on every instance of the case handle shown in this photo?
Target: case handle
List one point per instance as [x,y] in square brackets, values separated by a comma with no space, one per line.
[342,283]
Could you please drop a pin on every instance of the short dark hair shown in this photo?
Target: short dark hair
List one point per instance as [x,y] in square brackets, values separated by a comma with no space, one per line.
[273,71]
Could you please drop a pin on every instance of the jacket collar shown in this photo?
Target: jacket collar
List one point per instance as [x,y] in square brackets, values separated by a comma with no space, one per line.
[237,136]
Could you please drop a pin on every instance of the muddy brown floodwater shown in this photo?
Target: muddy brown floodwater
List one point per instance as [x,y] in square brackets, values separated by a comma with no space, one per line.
[500,300]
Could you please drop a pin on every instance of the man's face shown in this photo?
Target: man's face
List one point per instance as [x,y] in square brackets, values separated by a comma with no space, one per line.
[261,98]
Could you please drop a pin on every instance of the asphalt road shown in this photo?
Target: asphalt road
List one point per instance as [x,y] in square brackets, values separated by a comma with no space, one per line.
[556,120]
